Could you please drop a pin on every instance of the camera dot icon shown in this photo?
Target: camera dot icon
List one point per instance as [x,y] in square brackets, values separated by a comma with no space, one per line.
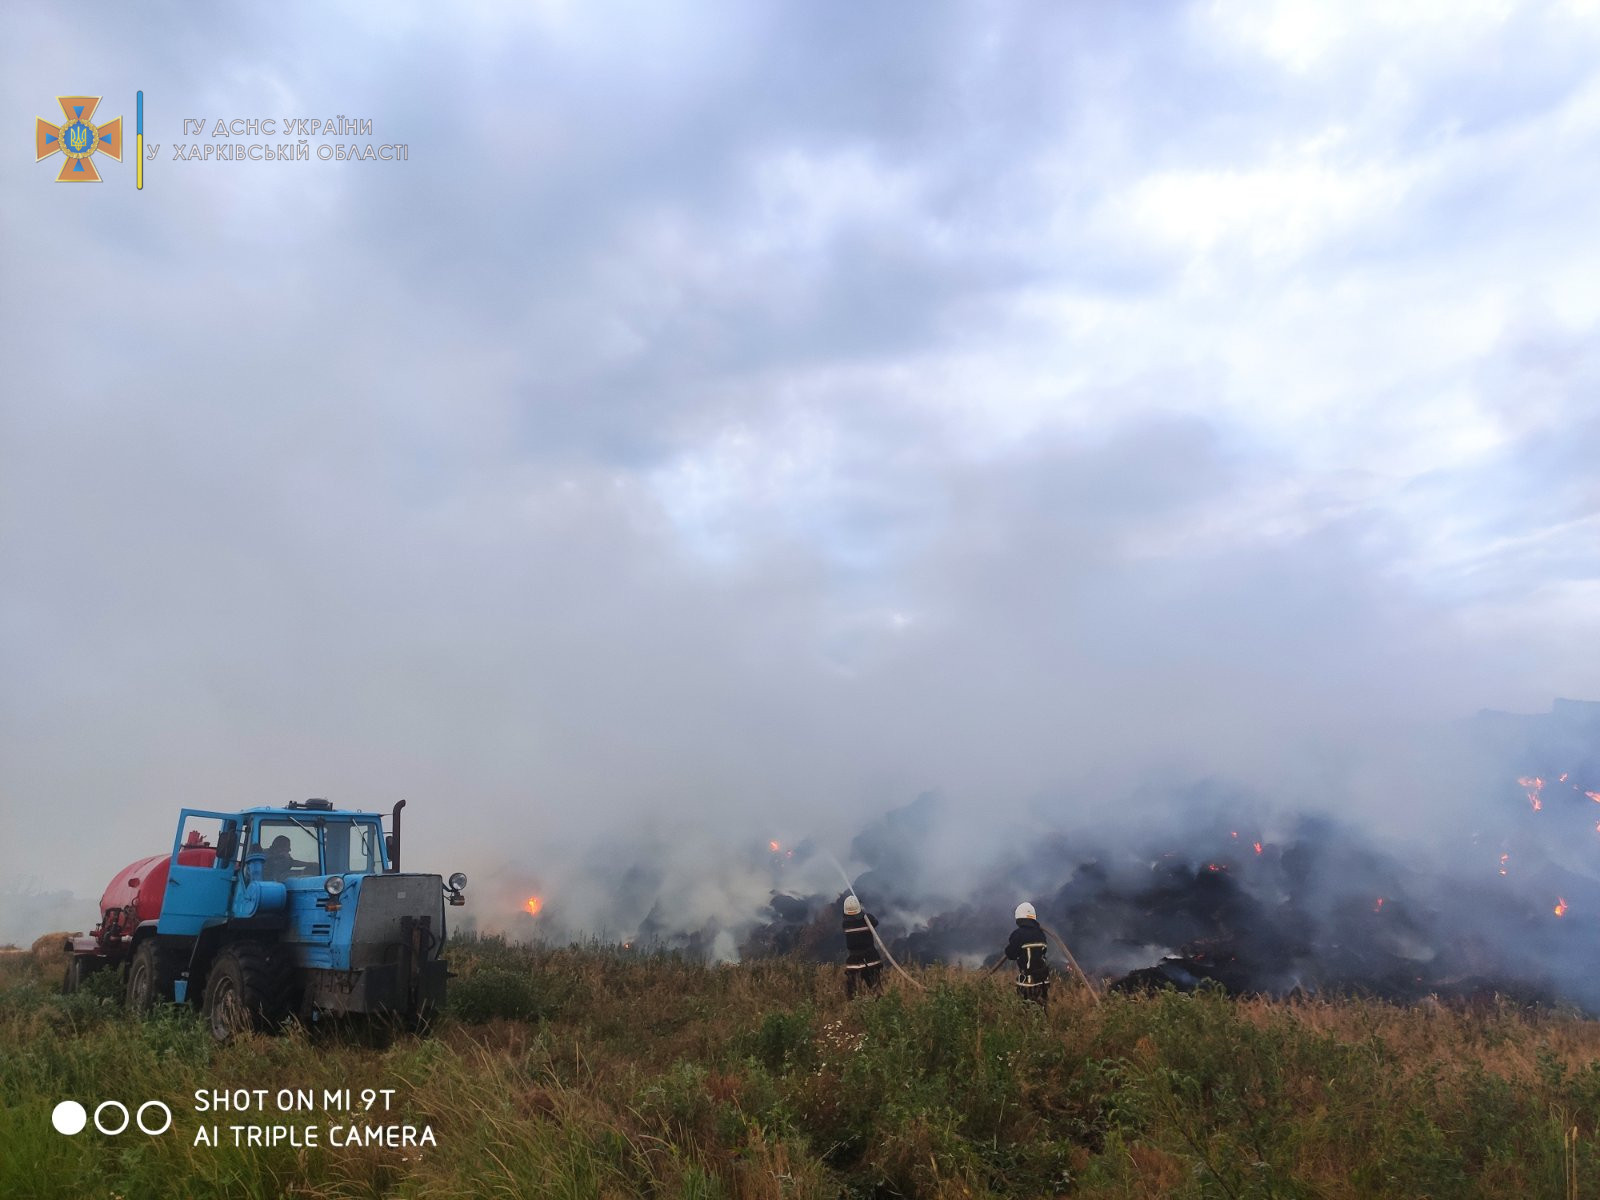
[69,1117]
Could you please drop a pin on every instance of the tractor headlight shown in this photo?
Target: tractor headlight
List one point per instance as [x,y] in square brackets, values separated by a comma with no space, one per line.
[457,881]
[333,884]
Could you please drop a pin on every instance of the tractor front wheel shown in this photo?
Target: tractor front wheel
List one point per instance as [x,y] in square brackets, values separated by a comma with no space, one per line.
[247,988]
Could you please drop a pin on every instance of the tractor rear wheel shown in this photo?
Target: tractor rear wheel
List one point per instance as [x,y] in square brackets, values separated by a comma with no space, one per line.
[247,988]
[149,978]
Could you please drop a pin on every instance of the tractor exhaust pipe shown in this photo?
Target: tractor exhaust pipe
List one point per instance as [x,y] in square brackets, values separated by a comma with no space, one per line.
[393,840]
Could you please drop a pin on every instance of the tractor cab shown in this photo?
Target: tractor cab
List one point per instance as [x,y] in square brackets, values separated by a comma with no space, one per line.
[314,842]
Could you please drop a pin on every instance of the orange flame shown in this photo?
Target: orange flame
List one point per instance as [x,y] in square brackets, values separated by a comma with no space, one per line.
[1258,847]
[1378,907]
[1561,907]
[1595,796]
[533,905]
[774,847]
[1534,786]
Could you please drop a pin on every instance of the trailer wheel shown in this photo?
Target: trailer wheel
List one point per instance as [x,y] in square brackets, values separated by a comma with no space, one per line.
[148,978]
[80,968]
[247,988]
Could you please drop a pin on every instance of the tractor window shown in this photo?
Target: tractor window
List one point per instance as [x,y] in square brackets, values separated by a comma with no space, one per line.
[291,848]
[351,846]
[197,841]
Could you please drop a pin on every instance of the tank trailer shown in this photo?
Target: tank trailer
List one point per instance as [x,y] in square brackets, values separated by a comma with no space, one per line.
[267,913]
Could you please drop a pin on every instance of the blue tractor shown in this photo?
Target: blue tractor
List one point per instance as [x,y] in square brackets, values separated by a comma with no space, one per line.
[260,915]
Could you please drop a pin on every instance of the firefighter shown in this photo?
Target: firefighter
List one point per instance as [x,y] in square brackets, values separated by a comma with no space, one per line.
[1027,948]
[862,966]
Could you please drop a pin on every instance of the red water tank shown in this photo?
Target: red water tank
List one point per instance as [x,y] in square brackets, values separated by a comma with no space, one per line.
[143,886]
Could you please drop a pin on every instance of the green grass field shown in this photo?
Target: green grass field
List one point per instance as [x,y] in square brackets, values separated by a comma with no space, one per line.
[592,1073]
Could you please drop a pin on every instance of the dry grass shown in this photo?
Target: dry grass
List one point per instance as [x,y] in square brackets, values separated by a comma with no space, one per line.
[590,1072]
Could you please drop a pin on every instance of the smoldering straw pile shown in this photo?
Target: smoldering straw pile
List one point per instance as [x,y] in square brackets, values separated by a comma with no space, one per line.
[1503,897]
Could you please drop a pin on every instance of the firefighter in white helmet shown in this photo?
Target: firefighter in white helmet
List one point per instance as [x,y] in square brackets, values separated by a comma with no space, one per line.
[862,966]
[1027,948]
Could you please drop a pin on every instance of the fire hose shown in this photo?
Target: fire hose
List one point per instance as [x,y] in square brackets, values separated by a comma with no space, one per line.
[1072,962]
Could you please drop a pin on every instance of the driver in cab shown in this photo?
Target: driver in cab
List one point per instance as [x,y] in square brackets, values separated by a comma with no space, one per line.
[280,862]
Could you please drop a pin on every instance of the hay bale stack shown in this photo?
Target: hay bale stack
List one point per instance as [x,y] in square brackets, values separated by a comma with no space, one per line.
[49,955]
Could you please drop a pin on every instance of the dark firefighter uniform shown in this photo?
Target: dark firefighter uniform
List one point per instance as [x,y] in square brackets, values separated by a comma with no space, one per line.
[861,964]
[1027,948]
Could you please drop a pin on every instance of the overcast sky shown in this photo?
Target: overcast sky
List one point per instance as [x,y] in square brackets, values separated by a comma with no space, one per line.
[732,418]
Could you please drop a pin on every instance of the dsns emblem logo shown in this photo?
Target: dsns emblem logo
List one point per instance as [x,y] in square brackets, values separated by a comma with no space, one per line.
[79,139]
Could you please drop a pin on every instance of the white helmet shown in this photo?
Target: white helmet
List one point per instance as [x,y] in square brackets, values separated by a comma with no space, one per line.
[852,906]
[1026,910]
